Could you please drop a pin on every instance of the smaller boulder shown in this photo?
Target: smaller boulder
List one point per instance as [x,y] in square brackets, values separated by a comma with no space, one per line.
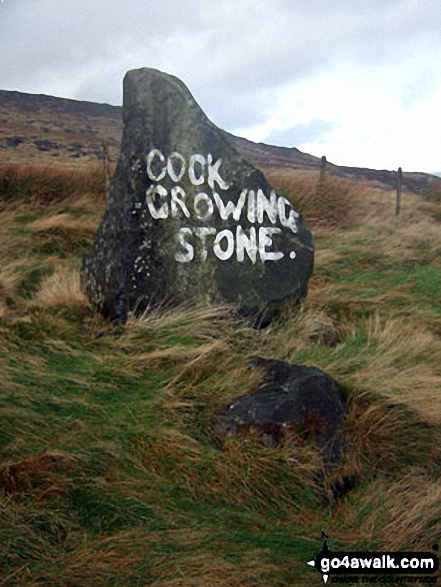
[302,398]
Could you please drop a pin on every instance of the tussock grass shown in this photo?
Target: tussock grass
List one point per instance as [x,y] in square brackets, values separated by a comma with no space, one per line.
[402,365]
[63,221]
[11,276]
[111,469]
[332,204]
[62,289]
[395,514]
[41,186]
[414,518]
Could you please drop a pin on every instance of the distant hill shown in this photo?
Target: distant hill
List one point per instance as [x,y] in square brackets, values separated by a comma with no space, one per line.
[44,130]
[288,160]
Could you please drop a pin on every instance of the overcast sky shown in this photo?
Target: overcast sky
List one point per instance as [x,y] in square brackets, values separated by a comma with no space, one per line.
[356,80]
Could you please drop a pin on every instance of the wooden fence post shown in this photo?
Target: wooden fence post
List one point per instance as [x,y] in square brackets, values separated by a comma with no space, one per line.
[106,166]
[399,185]
[322,172]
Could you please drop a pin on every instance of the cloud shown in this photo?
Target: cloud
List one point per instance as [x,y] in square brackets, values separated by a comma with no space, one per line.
[238,57]
[418,89]
[237,49]
[300,133]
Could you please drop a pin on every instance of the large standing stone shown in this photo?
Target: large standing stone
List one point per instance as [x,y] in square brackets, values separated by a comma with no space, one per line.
[187,218]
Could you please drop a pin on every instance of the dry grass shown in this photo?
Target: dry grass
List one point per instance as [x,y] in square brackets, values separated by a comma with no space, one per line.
[61,289]
[378,206]
[333,205]
[402,514]
[401,366]
[40,186]
[112,469]
[11,276]
[413,516]
[181,318]
[214,570]
[63,221]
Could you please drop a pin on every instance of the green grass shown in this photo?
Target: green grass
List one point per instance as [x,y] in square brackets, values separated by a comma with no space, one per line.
[110,468]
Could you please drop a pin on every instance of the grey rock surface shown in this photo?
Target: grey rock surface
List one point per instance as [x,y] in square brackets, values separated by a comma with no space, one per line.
[188,219]
[305,398]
